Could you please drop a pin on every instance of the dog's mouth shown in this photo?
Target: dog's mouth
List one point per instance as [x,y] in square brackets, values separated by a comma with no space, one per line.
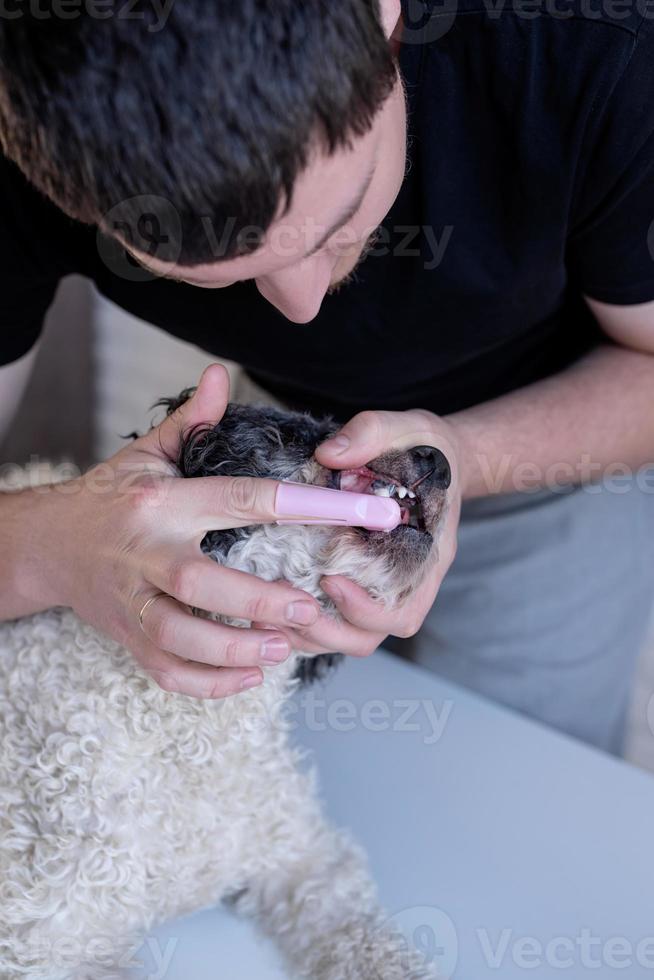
[365,480]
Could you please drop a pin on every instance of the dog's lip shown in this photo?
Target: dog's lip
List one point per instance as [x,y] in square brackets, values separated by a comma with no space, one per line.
[366,475]
[361,479]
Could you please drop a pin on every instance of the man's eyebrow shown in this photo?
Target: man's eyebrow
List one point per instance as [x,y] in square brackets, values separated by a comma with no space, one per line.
[345,215]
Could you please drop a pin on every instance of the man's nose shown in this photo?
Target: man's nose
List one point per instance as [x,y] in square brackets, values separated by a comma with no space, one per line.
[432,465]
[299,290]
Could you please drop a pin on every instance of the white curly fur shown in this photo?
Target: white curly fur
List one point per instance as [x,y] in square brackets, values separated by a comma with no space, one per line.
[123,806]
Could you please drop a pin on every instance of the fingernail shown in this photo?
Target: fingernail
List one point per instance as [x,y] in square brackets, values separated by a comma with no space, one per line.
[339,444]
[301,613]
[274,652]
[252,680]
[332,590]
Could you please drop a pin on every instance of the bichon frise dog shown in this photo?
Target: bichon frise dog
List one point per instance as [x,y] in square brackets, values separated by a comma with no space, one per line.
[122,805]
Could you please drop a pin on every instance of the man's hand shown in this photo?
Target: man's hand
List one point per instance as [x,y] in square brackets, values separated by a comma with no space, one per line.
[366,622]
[130,529]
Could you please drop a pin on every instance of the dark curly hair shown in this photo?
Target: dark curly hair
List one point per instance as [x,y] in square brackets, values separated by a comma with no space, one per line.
[208,115]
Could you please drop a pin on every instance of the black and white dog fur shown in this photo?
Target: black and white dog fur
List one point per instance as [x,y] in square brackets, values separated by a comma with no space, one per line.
[122,806]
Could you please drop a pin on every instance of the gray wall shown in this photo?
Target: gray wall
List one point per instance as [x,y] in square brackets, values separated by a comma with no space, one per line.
[55,418]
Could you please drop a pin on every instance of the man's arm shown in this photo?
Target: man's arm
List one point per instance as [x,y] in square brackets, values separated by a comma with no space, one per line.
[129,530]
[13,380]
[594,419]
[575,426]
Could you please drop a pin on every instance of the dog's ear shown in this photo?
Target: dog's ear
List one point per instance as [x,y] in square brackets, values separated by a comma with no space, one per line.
[188,437]
[312,669]
[172,404]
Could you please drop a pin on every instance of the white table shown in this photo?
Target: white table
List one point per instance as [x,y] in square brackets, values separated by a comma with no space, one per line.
[508,850]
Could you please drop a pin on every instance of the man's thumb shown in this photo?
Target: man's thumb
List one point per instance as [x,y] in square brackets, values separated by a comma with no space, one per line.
[206,407]
[372,433]
[360,440]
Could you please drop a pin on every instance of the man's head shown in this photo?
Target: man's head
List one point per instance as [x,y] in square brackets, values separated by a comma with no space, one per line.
[263,139]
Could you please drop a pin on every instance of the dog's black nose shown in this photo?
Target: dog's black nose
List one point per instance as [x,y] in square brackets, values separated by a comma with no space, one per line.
[432,465]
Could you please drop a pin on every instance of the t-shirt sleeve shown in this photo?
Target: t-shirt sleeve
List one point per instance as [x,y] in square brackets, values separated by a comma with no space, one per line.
[611,244]
[30,268]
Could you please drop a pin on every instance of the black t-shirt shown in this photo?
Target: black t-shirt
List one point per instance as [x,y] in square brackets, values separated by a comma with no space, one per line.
[531,180]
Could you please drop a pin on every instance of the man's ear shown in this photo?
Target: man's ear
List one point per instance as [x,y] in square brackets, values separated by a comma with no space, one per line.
[391,11]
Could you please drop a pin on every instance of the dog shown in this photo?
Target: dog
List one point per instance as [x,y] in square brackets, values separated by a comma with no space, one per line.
[123,806]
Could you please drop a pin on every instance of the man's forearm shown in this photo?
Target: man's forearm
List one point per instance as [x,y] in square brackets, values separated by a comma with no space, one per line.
[592,421]
[13,381]
[21,560]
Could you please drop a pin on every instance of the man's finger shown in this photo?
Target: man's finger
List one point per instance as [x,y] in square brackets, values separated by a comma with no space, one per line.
[195,680]
[200,582]
[370,434]
[206,407]
[174,629]
[358,608]
[214,503]
[340,636]
[332,636]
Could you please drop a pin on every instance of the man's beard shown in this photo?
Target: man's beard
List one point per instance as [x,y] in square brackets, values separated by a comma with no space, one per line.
[351,276]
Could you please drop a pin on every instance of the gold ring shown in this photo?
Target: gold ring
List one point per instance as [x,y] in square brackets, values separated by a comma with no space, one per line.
[153,598]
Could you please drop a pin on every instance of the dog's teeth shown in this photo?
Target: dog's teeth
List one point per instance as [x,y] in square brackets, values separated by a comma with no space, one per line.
[383,492]
[402,492]
[412,495]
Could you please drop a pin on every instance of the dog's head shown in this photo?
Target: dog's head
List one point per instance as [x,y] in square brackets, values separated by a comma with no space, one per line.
[280,445]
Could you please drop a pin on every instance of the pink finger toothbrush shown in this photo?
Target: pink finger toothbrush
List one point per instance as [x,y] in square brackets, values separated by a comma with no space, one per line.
[301,503]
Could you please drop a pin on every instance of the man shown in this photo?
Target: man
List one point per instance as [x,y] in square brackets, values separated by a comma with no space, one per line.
[223,176]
